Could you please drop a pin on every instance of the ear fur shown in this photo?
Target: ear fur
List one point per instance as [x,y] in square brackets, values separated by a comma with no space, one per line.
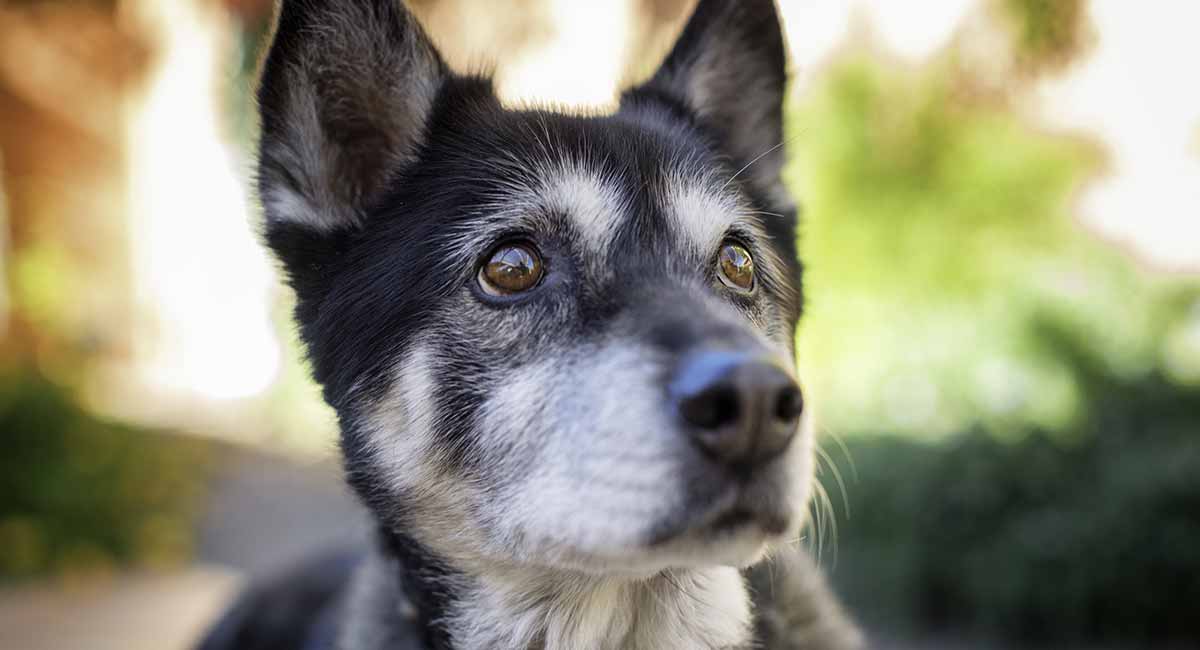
[728,70]
[346,92]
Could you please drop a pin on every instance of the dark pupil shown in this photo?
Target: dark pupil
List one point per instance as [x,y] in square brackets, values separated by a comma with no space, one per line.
[737,265]
[511,268]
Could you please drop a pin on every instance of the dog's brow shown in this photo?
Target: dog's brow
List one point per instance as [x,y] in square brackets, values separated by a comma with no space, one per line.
[701,214]
[567,196]
[593,203]
[471,238]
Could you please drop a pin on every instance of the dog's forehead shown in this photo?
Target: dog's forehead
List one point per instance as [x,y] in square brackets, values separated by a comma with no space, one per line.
[604,180]
[682,204]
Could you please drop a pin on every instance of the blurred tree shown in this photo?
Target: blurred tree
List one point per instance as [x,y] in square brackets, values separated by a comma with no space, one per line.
[65,69]
[1047,34]
[936,227]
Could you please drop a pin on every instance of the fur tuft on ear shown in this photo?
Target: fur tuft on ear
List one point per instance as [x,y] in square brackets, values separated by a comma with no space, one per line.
[728,69]
[346,92]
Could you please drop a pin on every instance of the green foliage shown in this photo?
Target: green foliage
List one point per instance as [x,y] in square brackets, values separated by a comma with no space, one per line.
[82,494]
[1047,33]
[937,230]
[1036,539]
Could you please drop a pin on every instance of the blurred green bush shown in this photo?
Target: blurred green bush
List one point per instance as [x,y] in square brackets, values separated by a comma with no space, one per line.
[79,495]
[1093,536]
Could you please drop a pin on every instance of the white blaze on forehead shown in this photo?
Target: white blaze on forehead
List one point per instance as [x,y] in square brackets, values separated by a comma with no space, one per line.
[700,212]
[592,203]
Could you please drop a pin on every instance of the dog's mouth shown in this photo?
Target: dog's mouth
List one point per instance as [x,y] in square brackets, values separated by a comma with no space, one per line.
[735,512]
[770,523]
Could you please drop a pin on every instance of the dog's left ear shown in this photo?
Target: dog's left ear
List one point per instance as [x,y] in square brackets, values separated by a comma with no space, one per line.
[728,70]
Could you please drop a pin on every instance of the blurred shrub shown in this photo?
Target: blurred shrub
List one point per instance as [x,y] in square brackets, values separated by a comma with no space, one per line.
[1091,536]
[1047,33]
[933,225]
[78,494]
[937,229]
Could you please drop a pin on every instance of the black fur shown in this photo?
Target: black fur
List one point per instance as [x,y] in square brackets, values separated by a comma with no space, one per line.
[296,610]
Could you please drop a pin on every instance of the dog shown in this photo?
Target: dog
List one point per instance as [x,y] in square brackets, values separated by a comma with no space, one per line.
[560,346]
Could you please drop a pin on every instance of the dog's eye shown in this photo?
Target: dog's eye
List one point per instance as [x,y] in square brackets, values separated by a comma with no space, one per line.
[511,268]
[735,267]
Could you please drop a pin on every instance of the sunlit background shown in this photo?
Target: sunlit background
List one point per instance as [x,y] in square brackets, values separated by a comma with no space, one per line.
[1002,239]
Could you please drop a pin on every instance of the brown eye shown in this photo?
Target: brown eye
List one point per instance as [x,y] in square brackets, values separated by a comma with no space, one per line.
[511,268]
[736,267]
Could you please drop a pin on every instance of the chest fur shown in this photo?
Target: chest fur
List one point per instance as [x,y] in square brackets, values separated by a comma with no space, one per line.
[683,610]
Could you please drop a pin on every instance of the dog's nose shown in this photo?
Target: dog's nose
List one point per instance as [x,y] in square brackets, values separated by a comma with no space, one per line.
[741,410]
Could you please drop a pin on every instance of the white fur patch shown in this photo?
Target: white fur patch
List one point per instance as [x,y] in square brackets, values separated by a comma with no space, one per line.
[687,610]
[702,213]
[402,425]
[283,205]
[594,206]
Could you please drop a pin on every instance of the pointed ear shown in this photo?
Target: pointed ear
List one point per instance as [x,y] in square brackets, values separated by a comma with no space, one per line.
[346,92]
[728,69]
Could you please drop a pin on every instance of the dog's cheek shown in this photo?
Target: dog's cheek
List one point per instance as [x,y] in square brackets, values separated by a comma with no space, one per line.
[509,445]
[403,458]
[398,431]
[589,462]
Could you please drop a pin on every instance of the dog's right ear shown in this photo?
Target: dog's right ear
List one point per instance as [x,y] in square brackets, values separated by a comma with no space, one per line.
[346,93]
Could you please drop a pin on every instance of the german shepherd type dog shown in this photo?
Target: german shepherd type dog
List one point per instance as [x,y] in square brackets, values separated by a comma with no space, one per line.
[560,347]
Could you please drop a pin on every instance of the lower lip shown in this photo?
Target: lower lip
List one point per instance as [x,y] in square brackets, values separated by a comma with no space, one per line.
[738,518]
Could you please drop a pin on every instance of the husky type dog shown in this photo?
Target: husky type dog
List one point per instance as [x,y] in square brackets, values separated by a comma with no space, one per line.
[560,347]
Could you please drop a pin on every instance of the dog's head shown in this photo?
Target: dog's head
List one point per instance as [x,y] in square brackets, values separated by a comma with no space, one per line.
[554,340]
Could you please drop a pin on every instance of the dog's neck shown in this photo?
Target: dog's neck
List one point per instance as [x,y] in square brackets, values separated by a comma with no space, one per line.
[401,595]
[684,610]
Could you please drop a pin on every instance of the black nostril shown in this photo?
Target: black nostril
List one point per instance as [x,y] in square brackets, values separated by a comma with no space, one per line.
[789,405]
[712,408]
